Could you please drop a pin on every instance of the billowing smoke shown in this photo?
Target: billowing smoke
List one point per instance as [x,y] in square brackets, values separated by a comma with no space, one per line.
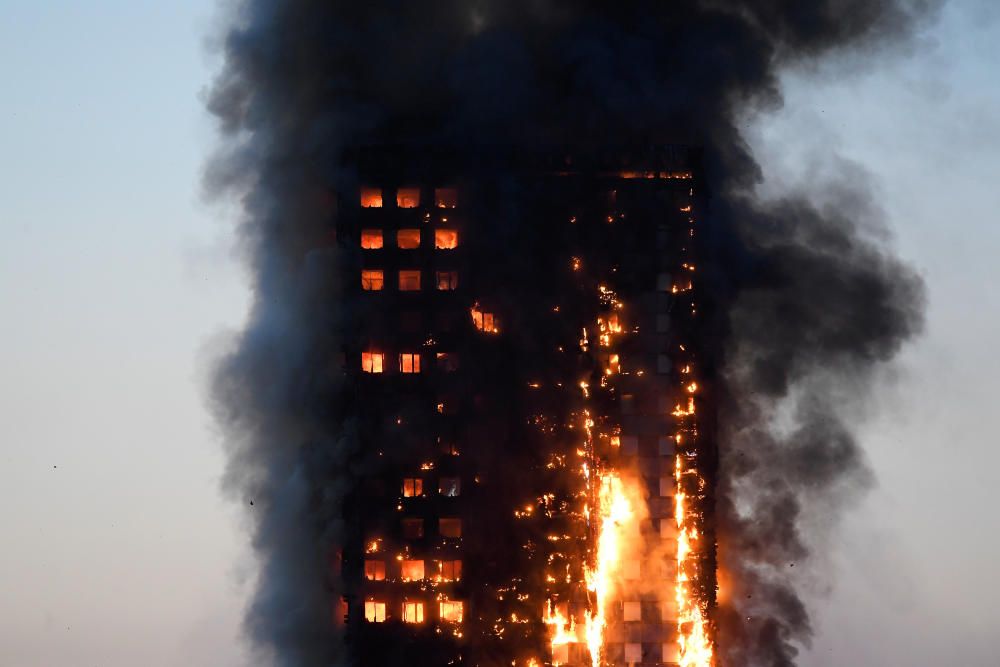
[808,301]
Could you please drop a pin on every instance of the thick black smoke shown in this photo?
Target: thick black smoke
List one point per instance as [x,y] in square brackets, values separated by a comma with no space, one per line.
[806,303]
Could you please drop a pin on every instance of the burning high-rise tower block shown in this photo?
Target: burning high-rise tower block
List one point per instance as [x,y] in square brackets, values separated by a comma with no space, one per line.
[526,372]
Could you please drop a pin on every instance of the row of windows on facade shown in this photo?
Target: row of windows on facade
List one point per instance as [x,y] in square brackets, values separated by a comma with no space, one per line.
[409,239]
[449,487]
[408,280]
[413,529]
[449,611]
[408,197]
[415,570]
[408,362]
[629,653]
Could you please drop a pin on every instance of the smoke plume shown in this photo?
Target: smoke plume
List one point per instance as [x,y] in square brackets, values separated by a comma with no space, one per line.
[807,302]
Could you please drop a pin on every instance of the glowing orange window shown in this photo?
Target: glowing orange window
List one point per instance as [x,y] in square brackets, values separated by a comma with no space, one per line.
[409,362]
[450,527]
[371,198]
[372,280]
[374,611]
[447,280]
[413,612]
[449,570]
[371,239]
[446,197]
[450,611]
[409,281]
[487,322]
[413,570]
[408,239]
[375,570]
[445,239]
[413,487]
[372,362]
[408,197]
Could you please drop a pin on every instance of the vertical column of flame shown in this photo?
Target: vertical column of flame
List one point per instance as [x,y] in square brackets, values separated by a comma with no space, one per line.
[614,512]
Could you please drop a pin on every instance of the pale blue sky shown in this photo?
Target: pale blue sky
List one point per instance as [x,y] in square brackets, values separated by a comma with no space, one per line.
[115,279]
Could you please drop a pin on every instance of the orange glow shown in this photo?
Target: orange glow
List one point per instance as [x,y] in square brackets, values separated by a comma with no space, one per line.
[409,362]
[408,197]
[446,197]
[412,570]
[449,570]
[372,280]
[371,239]
[486,322]
[372,362]
[409,281]
[413,487]
[375,570]
[408,239]
[371,198]
[413,612]
[450,611]
[374,611]
[445,239]
[447,280]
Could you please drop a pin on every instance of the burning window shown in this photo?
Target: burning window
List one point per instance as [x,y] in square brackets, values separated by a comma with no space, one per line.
[413,487]
[450,527]
[374,611]
[445,239]
[632,610]
[408,197]
[450,487]
[449,570]
[371,198]
[409,281]
[446,197]
[375,570]
[413,570]
[372,362]
[450,611]
[447,361]
[371,239]
[447,280]
[486,322]
[671,653]
[633,652]
[408,239]
[372,280]
[413,528]
[409,362]
[668,529]
[630,569]
[413,612]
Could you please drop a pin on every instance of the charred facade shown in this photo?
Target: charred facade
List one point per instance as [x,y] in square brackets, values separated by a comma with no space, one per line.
[524,360]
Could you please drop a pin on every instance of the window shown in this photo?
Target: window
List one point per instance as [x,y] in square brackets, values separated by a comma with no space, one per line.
[450,611]
[371,198]
[413,612]
[666,445]
[446,197]
[447,280]
[409,281]
[375,570]
[668,529]
[413,528]
[666,486]
[445,239]
[408,239]
[372,362]
[413,570]
[449,570]
[487,322]
[671,652]
[630,445]
[632,611]
[450,487]
[371,239]
[633,652]
[374,611]
[450,527]
[372,280]
[409,362]
[447,361]
[413,487]
[631,569]
[408,197]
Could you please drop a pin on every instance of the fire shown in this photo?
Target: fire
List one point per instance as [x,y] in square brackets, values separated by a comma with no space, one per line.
[613,512]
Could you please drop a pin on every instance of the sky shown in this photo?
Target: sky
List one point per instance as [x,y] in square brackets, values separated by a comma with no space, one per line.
[117,281]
